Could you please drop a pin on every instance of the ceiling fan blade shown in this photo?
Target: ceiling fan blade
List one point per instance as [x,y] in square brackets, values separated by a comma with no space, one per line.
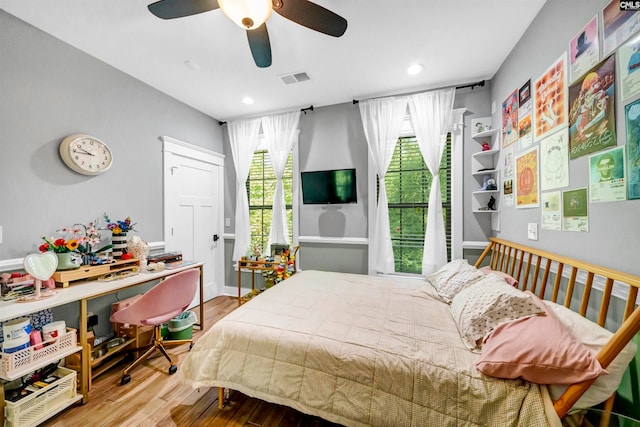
[260,46]
[169,9]
[312,16]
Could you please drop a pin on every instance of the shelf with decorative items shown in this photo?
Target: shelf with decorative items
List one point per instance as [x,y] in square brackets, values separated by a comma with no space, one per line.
[274,269]
[486,198]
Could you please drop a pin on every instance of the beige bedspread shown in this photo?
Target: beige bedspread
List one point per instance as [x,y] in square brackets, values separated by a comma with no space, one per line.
[358,350]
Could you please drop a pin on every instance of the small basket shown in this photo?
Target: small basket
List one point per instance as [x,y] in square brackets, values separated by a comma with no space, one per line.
[36,407]
[10,362]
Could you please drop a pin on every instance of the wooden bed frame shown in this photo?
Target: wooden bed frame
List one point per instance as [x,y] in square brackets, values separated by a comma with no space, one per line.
[533,268]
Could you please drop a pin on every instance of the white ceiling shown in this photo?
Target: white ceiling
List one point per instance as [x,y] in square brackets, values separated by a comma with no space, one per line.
[458,42]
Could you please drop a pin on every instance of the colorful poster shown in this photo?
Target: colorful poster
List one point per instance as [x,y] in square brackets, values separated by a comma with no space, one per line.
[551,211]
[618,25]
[510,119]
[527,187]
[629,60]
[584,49]
[554,160]
[632,121]
[575,210]
[550,112]
[606,176]
[592,124]
[525,118]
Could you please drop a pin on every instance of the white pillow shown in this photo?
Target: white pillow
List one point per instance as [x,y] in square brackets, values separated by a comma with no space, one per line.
[453,277]
[594,337]
[480,307]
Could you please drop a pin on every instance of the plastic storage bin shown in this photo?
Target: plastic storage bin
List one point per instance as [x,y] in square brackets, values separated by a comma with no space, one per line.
[181,327]
[37,407]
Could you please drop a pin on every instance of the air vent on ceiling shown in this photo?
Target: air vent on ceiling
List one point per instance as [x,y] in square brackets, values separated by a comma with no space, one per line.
[294,78]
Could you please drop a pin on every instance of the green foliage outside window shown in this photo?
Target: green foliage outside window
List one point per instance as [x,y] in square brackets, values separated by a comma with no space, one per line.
[408,183]
[261,185]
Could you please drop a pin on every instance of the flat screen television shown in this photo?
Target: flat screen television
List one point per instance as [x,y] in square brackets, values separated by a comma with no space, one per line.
[329,186]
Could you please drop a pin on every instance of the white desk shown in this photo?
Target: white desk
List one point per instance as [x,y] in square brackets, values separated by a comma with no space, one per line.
[81,292]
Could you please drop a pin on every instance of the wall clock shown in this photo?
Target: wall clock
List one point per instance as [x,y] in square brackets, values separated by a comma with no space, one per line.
[86,154]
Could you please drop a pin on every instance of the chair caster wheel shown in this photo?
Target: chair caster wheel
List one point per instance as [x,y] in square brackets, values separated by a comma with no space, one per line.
[125,379]
[190,346]
[173,369]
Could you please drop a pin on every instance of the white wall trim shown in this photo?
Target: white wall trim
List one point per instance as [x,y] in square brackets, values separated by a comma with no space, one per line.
[457,177]
[185,149]
[474,245]
[11,264]
[334,240]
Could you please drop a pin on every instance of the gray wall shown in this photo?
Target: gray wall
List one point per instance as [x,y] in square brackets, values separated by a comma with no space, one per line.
[613,234]
[50,90]
[332,137]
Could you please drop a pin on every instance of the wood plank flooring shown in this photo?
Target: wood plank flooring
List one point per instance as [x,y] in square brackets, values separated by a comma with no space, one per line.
[154,398]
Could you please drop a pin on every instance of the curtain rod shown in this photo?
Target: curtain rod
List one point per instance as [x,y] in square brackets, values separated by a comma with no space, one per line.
[471,85]
[303,110]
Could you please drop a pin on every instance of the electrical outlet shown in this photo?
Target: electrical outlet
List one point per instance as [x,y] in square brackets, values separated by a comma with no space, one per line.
[532,231]
[0,234]
[493,107]
[227,222]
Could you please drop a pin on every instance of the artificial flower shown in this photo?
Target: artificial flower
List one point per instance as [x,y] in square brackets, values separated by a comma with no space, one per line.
[119,227]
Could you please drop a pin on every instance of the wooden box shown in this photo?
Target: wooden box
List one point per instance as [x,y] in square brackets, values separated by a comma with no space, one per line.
[85,272]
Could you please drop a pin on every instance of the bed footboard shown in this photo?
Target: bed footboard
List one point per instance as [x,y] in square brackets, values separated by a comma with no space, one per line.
[533,268]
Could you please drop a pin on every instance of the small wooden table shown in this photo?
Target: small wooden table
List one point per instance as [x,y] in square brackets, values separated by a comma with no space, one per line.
[259,265]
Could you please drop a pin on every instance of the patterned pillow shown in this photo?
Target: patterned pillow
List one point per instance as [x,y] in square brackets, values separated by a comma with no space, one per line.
[480,307]
[453,277]
[510,280]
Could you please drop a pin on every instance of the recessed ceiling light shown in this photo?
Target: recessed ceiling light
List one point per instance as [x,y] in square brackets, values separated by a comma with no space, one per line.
[415,69]
[247,100]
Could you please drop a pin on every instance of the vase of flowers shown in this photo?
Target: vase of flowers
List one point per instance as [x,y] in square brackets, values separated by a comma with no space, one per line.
[66,250]
[119,230]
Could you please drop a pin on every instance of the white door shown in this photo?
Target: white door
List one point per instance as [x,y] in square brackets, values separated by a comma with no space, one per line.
[193,209]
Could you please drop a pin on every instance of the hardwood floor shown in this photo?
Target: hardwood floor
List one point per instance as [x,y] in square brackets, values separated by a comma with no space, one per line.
[154,398]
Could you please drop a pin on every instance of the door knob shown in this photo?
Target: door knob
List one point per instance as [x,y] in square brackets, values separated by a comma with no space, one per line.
[215,237]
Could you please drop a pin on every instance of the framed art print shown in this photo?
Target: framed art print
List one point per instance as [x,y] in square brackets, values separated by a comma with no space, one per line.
[527,185]
[632,123]
[550,108]
[592,125]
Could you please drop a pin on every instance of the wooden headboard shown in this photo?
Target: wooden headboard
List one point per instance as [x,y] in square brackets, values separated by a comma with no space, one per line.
[533,268]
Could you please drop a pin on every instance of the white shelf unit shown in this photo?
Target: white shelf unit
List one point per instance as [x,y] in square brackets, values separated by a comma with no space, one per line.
[50,401]
[483,165]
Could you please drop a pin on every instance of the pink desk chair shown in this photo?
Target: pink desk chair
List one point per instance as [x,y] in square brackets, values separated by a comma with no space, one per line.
[160,304]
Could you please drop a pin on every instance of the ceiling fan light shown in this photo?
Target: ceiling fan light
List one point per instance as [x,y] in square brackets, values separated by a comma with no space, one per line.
[247,14]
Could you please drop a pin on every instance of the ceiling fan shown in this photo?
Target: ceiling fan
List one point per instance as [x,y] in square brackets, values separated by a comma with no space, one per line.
[252,15]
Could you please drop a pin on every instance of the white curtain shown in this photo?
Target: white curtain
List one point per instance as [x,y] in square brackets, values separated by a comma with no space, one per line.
[243,137]
[280,131]
[431,118]
[382,121]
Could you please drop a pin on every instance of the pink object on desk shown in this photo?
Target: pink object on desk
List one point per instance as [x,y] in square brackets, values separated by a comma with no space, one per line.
[35,339]
[49,283]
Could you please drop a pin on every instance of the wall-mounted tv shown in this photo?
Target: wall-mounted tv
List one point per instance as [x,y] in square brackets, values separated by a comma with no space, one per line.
[329,186]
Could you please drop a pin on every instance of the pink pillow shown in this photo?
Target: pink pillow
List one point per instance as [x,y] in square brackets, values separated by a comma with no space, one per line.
[510,280]
[539,349]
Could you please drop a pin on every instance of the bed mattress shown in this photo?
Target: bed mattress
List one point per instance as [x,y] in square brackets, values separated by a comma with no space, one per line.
[360,351]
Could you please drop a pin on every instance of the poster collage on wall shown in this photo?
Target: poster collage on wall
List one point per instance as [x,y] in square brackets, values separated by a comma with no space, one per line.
[568,112]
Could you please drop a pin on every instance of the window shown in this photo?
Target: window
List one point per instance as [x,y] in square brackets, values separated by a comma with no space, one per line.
[261,185]
[408,183]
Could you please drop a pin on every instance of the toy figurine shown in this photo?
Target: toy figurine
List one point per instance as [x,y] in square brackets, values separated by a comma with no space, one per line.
[491,184]
[492,204]
[486,146]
